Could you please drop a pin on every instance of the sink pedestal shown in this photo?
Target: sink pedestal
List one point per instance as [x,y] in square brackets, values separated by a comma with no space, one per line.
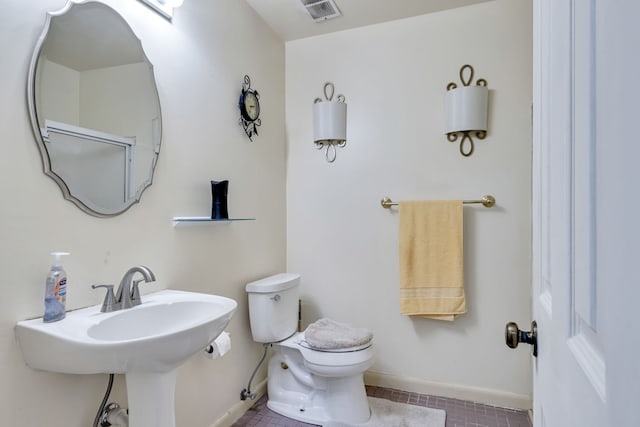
[151,398]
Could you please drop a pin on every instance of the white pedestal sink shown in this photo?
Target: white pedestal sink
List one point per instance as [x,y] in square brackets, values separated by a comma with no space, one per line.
[146,343]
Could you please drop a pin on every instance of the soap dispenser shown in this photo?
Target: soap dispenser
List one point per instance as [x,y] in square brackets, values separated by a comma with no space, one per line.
[55,297]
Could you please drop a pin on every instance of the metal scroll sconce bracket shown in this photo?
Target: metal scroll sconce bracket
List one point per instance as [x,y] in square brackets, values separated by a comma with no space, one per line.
[466,110]
[330,122]
[466,138]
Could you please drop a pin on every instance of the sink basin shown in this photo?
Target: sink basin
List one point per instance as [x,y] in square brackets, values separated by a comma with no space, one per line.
[146,343]
[155,336]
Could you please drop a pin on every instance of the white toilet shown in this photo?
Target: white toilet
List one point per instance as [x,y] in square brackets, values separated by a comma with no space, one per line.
[315,376]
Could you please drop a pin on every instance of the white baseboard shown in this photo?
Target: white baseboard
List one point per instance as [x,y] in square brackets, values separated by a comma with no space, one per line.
[236,411]
[474,394]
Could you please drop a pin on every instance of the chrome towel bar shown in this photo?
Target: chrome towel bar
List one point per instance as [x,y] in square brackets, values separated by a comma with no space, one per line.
[487,201]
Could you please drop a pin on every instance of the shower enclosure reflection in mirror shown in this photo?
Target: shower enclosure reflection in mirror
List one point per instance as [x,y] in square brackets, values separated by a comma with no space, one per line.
[164,7]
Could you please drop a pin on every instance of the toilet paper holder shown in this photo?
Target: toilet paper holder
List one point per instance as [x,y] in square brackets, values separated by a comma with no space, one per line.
[219,346]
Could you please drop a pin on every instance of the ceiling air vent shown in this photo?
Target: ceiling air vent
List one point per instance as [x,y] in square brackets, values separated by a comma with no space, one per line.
[321,10]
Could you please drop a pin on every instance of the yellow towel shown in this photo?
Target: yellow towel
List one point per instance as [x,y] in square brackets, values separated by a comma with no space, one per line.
[431,264]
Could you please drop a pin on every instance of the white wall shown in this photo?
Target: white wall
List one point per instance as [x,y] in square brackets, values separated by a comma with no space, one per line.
[200,61]
[344,244]
[58,89]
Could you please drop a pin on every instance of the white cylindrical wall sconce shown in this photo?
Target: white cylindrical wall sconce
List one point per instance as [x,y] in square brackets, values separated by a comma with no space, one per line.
[466,110]
[330,122]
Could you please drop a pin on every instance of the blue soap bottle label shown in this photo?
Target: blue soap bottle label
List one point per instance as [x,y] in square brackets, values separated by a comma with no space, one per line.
[61,291]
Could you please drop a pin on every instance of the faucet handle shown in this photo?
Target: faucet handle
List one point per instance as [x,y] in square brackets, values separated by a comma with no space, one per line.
[109,303]
[135,292]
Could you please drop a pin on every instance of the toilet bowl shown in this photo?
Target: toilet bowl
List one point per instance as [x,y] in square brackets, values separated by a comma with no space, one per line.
[315,380]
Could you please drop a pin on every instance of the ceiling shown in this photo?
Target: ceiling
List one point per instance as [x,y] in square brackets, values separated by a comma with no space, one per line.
[103,29]
[290,20]
[91,36]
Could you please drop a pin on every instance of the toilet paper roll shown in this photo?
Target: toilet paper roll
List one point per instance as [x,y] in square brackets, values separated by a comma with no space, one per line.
[218,347]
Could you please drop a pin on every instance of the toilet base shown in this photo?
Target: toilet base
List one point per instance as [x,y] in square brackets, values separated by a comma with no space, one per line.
[296,393]
[344,400]
[309,415]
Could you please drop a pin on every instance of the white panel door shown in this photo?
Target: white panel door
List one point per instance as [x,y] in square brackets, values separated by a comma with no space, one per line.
[586,230]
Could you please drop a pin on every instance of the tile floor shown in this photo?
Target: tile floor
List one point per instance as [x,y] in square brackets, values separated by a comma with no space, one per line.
[460,413]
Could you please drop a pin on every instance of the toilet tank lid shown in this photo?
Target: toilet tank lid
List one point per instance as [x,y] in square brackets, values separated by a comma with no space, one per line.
[278,282]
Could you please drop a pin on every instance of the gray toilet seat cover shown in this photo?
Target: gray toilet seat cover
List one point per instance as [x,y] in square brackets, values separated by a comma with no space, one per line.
[327,334]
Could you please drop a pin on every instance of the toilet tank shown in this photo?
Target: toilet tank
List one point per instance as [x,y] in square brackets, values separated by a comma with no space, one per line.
[273,307]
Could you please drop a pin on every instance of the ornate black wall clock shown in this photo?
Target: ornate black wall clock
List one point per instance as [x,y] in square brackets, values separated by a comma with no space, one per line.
[249,105]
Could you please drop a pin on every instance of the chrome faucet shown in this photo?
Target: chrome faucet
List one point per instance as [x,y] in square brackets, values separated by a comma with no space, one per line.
[128,294]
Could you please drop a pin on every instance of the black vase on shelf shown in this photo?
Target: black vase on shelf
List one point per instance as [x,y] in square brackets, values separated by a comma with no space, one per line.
[219,191]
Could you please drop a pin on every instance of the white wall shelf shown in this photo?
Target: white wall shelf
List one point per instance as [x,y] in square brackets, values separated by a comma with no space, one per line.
[179,221]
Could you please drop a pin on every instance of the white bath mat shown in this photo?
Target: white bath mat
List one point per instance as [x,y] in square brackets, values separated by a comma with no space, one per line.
[385,413]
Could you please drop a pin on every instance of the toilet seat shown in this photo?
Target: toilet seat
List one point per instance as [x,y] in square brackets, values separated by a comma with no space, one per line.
[305,344]
[328,335]
[332,363]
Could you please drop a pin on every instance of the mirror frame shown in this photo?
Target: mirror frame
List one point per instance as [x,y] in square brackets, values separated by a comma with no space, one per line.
[35,127]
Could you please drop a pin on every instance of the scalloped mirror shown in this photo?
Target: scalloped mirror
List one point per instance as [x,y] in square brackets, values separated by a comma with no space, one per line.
[94,108]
